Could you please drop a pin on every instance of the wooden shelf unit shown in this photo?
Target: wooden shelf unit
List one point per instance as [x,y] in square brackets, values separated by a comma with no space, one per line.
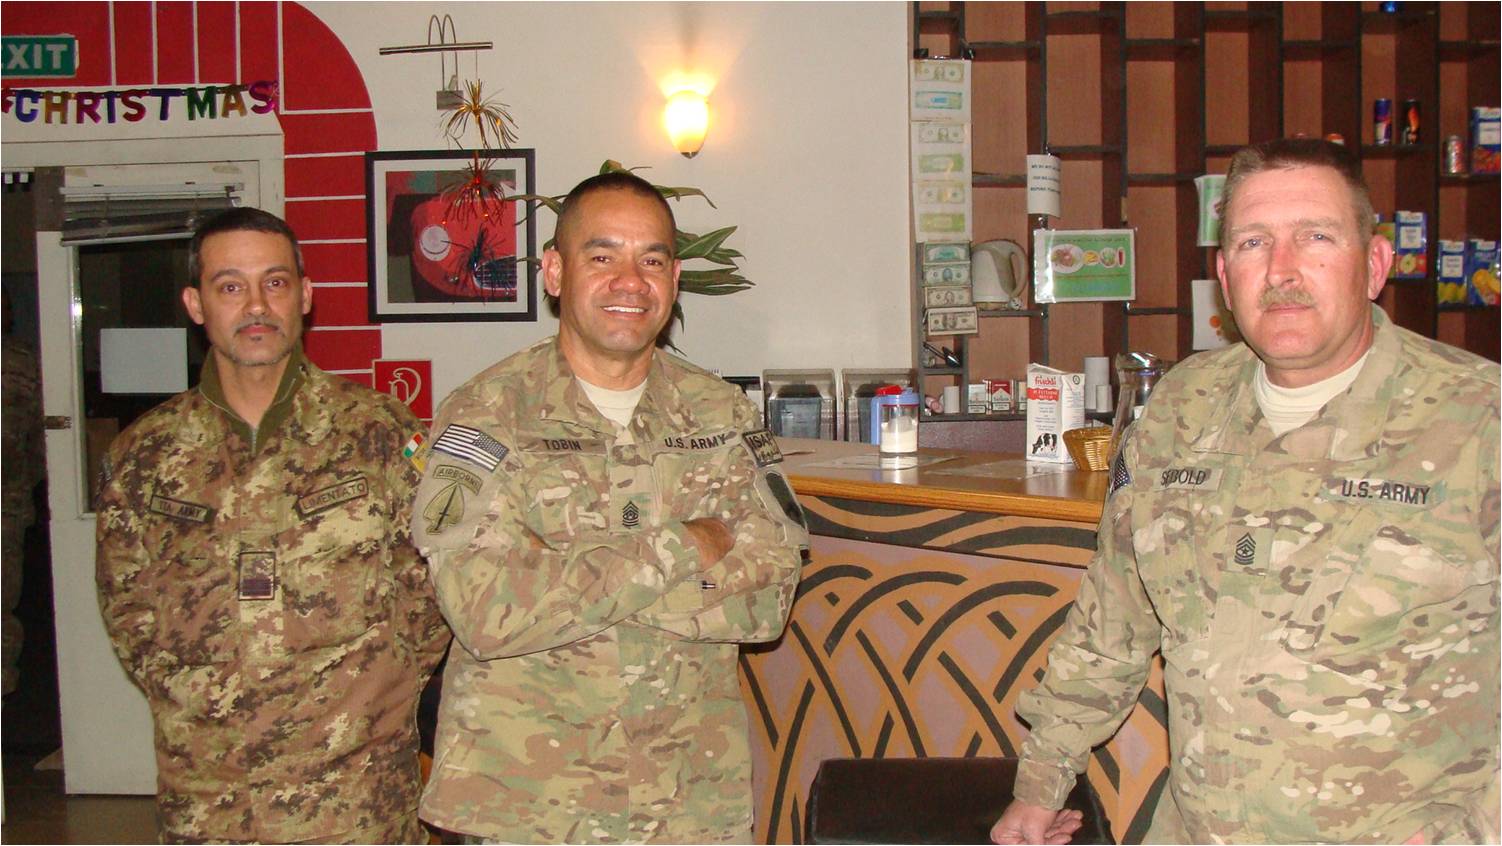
[1140,98]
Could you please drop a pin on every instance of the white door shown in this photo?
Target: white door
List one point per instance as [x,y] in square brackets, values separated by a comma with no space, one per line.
[106,727]
[96,297]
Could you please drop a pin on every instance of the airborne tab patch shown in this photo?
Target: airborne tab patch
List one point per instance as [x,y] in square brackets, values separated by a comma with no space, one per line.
[763,447]
[455,473]
[179,510]
[335,494]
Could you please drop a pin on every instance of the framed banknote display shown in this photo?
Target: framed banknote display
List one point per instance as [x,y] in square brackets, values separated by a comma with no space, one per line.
[446,238]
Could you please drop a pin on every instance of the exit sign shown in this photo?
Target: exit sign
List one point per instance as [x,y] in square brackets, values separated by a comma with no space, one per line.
[39,55]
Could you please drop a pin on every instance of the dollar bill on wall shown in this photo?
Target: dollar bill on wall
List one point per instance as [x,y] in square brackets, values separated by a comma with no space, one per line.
[952,321]
[940,90]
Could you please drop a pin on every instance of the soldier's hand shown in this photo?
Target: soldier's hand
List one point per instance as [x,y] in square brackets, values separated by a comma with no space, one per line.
[1024,823]
[712,538]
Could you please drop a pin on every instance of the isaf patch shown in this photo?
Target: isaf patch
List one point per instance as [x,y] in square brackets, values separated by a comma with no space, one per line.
[763,447]
[333,495]
[472,445]
[177,509]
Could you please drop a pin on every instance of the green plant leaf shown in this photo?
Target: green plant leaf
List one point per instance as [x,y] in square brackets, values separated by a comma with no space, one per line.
[691,246]
[714,283]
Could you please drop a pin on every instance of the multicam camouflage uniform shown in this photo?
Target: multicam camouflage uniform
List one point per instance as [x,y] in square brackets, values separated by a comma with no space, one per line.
[1325,602]
[596,696]
[261,588]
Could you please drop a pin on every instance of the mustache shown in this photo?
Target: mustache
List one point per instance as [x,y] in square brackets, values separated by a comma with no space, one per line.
[259,321]
[1274,297]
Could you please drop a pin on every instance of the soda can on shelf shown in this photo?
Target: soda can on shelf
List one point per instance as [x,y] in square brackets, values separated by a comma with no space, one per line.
[1454,154]
[1382,121]
[1410,133]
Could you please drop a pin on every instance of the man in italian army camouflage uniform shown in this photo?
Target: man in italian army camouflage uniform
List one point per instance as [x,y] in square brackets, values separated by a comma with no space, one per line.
[603,523]
[257,577]
[1306,527]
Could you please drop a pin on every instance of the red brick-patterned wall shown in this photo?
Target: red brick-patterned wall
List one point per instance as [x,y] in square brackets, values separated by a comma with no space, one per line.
[324,110]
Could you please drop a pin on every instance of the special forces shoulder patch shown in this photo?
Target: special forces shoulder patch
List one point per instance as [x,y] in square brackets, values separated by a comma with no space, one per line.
[445,508]
[471,445]
[763,447]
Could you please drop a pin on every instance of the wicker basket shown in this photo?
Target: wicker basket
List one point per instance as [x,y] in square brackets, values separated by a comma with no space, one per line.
[1090,447]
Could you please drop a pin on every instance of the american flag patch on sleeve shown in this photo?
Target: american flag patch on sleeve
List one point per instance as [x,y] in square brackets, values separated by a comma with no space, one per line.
[471,445]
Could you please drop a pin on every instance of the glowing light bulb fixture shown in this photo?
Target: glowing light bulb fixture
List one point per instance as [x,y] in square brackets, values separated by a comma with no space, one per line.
[686,118]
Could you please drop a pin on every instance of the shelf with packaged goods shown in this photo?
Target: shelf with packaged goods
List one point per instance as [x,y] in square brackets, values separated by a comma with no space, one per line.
[1170,92]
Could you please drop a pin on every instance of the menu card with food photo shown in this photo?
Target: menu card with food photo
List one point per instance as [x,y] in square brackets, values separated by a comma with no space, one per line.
[1083,265]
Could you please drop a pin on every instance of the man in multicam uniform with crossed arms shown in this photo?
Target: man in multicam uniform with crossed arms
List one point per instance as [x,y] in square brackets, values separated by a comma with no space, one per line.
[604,522]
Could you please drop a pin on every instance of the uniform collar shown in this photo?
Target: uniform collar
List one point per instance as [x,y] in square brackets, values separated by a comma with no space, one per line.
[297,371]
[662,406]
[1349,427]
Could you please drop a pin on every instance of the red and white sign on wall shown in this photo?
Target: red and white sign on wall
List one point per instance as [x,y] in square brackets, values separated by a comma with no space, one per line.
[408,380]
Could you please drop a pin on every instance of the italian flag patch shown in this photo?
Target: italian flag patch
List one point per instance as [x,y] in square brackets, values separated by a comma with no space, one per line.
[410,451]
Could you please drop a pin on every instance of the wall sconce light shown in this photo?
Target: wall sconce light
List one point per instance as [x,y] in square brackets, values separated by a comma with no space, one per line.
[686,118]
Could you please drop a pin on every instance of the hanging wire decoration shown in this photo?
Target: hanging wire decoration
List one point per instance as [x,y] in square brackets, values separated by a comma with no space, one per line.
[477,193]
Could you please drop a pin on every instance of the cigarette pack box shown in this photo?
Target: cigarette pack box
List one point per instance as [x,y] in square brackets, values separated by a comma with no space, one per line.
[1001,395]
[978,399]
[1055,404]
[1452,276]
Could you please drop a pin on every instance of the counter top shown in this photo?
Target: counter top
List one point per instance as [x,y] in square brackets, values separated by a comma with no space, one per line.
[988,482]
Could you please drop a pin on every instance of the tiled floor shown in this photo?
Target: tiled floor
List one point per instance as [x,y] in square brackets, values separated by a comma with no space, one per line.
[37,810]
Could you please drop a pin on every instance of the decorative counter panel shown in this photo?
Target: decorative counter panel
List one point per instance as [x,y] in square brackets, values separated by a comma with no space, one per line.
[914,631]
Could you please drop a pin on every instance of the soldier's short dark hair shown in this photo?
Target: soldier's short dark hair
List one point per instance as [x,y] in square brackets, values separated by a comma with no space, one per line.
[1284,153]
[612,181]
[240,220]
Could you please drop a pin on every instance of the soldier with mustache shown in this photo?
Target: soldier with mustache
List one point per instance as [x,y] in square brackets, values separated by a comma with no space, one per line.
[1305,527]
[256,574]
[605,523]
